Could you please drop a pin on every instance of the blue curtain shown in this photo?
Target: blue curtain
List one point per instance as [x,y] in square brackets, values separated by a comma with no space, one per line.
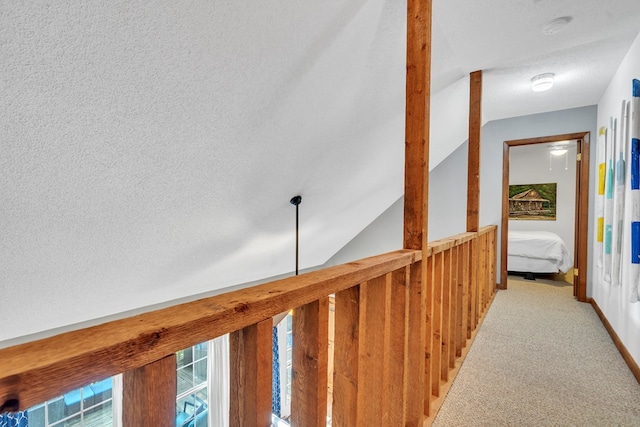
[275,400]
[17,419]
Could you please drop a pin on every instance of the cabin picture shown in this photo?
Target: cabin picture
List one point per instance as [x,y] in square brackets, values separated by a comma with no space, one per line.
[533,202]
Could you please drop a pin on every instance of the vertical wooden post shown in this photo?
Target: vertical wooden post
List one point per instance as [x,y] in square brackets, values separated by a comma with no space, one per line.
[473,284]
[429,332]
[310,358]
[346,373]
[447,325]
[461,329]
[436,345]
[250,370]
[473,188]
[418,92]
[396,375]
[149,394]
[453,341]
[473,177]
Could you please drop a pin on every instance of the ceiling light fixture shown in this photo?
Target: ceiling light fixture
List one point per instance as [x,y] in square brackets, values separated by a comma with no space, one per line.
[558,151]
[556,25]
[542,82]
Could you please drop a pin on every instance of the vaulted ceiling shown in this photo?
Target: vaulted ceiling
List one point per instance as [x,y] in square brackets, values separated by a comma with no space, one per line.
[149,151]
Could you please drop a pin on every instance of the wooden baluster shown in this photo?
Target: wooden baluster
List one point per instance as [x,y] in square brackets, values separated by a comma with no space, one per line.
[251,375]
[416,346]
[429,333]
[453,311]
[436,346]
[149,394]
[310,359]
[467,293]
[460,305]
[346,363]
[473,285]
[447,326]
[395,375]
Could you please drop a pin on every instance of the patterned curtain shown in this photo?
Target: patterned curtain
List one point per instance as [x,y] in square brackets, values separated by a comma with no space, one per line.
[275,400]
[17,419]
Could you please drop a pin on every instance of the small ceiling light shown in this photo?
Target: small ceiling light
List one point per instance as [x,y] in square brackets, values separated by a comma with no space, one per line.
[558,151]
[556,25]
[542,82]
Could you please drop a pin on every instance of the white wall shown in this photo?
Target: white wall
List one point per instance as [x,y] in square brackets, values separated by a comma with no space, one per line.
[382,235]
[529,164]
[623,316]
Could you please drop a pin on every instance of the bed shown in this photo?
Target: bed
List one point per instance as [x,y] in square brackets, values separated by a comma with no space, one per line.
[537,252]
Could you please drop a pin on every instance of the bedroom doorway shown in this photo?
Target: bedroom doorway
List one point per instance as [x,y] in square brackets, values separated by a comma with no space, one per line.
[581,206]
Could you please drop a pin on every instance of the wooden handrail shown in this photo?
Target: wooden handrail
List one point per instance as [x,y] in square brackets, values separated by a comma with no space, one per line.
[39,370]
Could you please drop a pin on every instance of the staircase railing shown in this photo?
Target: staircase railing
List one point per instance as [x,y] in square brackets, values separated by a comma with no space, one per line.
[372,335]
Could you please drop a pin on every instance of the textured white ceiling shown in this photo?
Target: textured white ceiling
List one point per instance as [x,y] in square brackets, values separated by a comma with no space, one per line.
[149,151]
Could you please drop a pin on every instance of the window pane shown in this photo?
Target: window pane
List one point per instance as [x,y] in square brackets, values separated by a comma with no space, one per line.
[36,416]
[184,357]
[99,416]
[185,379]
[200,372]
[192,410]
[58,410]
[72,422]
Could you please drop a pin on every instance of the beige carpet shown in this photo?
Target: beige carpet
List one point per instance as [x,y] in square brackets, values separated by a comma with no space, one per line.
[542,359]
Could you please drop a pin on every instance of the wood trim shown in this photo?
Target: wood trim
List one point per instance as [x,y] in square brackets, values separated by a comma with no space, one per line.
[504,225]
[473,174]
[581,221]
[40,370]
[633,366]
[149,398]
[582,229]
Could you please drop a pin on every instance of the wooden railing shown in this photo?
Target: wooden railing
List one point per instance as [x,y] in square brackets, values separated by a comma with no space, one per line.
[374,366]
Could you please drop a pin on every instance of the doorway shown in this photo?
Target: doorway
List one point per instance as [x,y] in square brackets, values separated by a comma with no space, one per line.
[581,207]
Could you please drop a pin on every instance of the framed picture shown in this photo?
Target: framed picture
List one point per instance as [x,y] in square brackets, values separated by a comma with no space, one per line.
[533,202]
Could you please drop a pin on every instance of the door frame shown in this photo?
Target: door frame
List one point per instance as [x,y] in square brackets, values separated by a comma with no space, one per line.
[582,207]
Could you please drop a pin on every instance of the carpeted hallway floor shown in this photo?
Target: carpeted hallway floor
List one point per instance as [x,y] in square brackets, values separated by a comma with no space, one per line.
[542,359]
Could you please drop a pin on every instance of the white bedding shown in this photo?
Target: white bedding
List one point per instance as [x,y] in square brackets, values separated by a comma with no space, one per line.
[537,252]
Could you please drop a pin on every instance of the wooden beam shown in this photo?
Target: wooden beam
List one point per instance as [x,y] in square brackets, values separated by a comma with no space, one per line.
[473,177]
[310,359]
[250,373]
[149,394]
[418,92]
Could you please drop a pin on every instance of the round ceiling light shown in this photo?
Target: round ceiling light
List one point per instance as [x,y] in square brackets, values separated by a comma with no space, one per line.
[542,82]
[556,25]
